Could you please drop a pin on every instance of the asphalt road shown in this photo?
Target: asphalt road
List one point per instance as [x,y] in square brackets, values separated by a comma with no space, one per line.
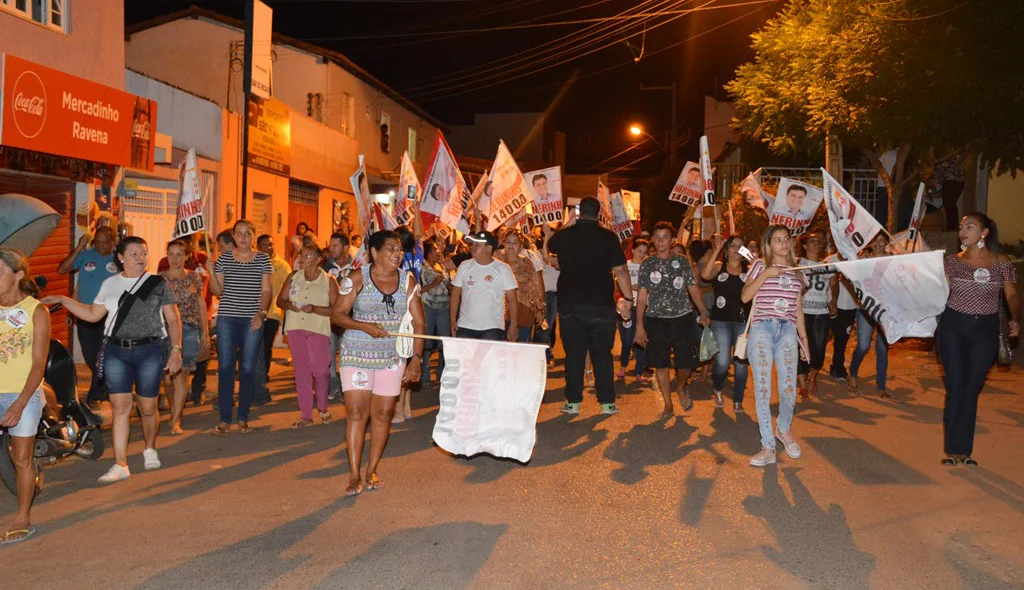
[625,501]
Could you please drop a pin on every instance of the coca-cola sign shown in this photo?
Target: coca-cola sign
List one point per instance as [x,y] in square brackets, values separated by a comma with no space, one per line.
[29,108]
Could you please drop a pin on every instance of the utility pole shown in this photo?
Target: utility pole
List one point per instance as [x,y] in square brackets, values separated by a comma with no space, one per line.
[674,125]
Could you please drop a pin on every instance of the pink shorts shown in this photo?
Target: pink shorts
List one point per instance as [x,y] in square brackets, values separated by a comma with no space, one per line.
[383,382]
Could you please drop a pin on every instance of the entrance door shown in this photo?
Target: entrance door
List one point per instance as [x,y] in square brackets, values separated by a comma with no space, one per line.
[303,204]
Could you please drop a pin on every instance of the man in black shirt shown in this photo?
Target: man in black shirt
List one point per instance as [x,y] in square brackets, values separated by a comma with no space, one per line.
[588,257]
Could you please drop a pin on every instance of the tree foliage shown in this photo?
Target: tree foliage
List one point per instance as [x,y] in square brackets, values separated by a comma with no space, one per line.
[940,77]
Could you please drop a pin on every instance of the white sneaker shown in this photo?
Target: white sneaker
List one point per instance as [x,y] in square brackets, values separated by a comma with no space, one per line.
[765,457]
[151,459]
[792,448]
[115,473]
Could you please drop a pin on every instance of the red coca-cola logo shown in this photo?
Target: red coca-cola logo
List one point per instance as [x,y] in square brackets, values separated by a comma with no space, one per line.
[29,108]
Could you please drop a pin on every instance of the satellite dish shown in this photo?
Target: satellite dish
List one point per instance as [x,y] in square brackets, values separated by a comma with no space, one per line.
[26,222]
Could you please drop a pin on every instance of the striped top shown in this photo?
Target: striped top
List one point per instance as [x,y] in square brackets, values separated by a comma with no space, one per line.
[243,283]
[777,297]
[362,351]
[975,291]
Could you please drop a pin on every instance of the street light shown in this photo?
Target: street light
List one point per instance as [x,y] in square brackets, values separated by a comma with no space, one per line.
[636,131]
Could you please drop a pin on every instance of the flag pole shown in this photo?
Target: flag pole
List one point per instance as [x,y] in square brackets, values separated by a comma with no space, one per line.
[426,337]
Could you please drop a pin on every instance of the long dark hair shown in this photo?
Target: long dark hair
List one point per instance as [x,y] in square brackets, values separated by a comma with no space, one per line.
[122,246]
[744,263]
[992,239]
[377,240]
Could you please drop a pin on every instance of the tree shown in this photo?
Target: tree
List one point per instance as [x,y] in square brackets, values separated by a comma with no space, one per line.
[936,78]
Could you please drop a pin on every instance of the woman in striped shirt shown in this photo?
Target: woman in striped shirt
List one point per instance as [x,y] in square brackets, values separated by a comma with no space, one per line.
[776,333]
[241,278]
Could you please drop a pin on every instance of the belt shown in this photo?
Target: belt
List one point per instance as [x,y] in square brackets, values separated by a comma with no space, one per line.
[135,342]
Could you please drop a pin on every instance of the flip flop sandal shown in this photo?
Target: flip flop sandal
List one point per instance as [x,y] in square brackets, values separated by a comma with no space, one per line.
[352,491]
[25,534]
[244,428]
[176,431]
[325,417]
[374,483]
[220,430]
[970,461]
[688,404]
[301,423]
[949,461]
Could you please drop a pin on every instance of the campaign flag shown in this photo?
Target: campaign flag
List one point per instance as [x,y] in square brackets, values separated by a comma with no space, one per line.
[605,217]
[794,206]
[482,193]
[918,214]
[753,193]
[689,188]
[509,193]
[409,191]
[189,216]
[904,294]
[364,202]
[490,394]
[443,177]
[622,225]
[904,243]
[384,219]
[457,208]
[632,201]
[705,172]
[852,226]
[546,188]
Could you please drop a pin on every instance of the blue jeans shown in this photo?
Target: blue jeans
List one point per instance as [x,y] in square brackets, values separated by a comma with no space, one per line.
[769,340]
[261,391]
[726,334]
[236,343]
[141,366]
[627,335]
[28,424]
[438,324]
[548,336]
[864,329]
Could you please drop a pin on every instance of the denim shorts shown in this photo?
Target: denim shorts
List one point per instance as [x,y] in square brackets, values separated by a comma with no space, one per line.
[189,346]
[28,425]
[141,366]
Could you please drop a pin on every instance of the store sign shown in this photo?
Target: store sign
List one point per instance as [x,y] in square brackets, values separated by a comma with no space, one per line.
[48,111]
[262,46]
[270,136]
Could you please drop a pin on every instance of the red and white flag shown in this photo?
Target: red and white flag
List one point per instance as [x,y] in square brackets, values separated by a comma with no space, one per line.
[509,193]
[189,215]
[604,198]
[443,180]
[409,191]
[852,226]
[754,194]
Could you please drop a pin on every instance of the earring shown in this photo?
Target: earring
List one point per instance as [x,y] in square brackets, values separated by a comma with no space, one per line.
[981,244]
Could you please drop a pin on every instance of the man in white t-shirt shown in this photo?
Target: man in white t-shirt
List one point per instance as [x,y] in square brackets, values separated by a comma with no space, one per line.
[482,291]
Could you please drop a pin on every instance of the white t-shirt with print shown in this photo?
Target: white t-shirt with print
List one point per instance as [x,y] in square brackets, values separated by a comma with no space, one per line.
[634,276]
[483,294]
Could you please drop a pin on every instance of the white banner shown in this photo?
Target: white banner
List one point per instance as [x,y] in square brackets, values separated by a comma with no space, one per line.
[509,191]
[918,214]
[621,224]
[794,206]
[852,226]
[442,177]
[546,189]
[903,241]
[689,188]
[490,394]
[454,214]
[361,191]
[754,194]
[605,216]
[904,294]
[705,172]
[262,49]
[632,201]
[409,191]
[384,219]
[189,216]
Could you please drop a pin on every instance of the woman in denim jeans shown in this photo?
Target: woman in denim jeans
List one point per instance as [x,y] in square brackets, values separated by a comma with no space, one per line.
[727,271]
[776,334]
[866,327]
[241,278]
[436,292]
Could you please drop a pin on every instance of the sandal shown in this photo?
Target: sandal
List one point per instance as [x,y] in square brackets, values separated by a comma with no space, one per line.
[949,461]
[882,394]
[969,461]
[719,400]
[688,404]
[244,428]
[325,417]
[374,482]
[353,490]
[222,429]
[25,534]
[813,382]
[300,423]
[175,431]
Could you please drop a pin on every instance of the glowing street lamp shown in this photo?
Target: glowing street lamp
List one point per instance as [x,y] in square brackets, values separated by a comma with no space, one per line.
[636,131]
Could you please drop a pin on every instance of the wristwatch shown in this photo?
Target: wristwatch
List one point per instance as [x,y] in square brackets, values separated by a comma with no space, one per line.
[176,348]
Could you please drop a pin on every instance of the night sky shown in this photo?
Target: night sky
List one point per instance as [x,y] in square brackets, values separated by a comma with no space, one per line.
[445,70]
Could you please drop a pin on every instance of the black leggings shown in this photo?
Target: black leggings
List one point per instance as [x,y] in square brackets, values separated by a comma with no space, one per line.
[967,345]
[817,338]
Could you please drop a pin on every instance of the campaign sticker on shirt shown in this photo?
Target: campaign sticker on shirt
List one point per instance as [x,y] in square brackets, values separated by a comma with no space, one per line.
[334,272]
[345,286]
[743,277]
[723,277]
[470,281]
[781,305]
[360,379]
[720,302]
[488,279]
[17,318]
[201,271]
[89,266]
[655,277]
[111,267]
[678,282]
[675,264]
[785,282]
[293,291]
[981,275]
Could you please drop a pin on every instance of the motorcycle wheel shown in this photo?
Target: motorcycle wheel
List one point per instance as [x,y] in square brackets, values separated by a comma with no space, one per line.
[7,471]
[93,447]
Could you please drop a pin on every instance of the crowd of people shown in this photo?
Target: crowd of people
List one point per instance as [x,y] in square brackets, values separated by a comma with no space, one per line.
[342,305]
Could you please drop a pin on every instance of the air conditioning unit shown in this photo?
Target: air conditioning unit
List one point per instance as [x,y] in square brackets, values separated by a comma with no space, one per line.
[162,153]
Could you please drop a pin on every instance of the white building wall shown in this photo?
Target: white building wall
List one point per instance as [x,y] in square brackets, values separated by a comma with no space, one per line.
[190,121]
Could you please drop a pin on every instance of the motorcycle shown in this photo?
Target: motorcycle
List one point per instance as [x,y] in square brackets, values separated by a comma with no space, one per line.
[67,427]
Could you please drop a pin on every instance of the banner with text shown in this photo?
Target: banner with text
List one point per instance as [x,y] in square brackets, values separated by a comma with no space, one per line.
[489,399]
[605,217]
[442,181]
[270,135]
[622,225]
[189,217]
[546,189]
[409,191]
[705,172]
[917,216]
[689,189]
[794,206]
[754,194]
[509,191]
[632,201]
[852,226]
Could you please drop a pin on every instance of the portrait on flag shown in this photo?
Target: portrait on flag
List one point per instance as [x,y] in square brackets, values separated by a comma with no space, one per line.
[189,214]
[442,180]
[632,202]
[622,225]
[754,194]
[794,206]
[689,188]
[851,225]
[361,190]
[409,191]
[546,188]
[509,193]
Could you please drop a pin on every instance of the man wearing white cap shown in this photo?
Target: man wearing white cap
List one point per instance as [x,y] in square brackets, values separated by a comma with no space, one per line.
[483,290]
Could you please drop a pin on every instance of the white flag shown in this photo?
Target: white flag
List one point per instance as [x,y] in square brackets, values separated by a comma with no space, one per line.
[189,217]
[794,206]
[443,177]
[409,191]
[490,394]
[753,193]
[705,172]
[509,193]
[361,190]
[688,189]
[605,217]
[852,226]
[546,189]
[918,215]
[621,223]
[904,294]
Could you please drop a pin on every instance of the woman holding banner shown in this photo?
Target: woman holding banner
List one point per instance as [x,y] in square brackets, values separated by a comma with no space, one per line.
[776,334]
[372,373]
[968,331]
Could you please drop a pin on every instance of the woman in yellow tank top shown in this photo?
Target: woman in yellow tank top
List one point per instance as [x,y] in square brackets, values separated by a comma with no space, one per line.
[24,345]
[307,298]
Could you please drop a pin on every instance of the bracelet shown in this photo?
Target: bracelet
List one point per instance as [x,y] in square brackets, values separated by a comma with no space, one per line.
[176,348]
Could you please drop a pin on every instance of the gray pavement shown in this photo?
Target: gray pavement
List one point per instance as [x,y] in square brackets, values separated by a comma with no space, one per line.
[625,501]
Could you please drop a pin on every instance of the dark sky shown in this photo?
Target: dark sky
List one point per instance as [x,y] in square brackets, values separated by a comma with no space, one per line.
[422,48]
